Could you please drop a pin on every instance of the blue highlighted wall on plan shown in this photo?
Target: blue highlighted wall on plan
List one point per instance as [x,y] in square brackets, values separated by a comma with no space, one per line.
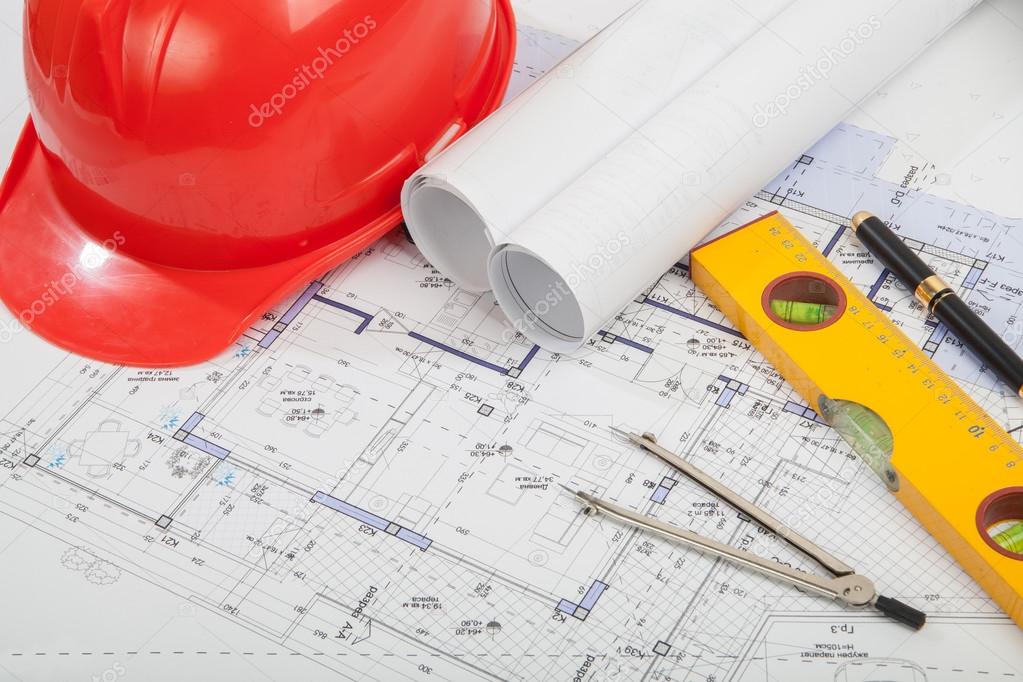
[185,435]
[373,521]
[731,389]
[615,338]
[585,606]
[512,372]
[312,293]
[663,488]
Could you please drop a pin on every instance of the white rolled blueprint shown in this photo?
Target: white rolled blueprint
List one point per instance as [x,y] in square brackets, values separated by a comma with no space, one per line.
[568,204]
[474,194]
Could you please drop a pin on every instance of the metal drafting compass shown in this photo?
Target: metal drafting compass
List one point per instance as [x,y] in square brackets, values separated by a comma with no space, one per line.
[846,586]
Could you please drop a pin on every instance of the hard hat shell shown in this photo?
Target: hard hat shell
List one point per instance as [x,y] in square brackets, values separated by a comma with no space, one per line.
[189,162]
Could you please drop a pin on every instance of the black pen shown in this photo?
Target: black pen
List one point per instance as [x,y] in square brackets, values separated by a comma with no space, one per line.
[940,299]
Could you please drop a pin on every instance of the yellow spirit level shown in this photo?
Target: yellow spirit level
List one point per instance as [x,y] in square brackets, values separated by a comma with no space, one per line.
[943,457]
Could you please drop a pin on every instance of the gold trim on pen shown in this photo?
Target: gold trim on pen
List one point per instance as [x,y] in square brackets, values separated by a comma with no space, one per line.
[929,288]
[859,219]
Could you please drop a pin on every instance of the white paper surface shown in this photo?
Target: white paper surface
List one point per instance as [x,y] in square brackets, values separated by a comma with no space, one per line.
[575,229]
[510,166]
[267,589]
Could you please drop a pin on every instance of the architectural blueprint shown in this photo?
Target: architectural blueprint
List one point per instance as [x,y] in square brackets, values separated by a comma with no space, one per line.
[367,485]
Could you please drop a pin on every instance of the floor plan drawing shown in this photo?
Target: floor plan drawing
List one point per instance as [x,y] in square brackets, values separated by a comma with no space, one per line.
[367,486]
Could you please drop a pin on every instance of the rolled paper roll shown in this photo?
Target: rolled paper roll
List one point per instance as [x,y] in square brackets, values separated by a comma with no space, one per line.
[473,195]
[599,243]
[597,179]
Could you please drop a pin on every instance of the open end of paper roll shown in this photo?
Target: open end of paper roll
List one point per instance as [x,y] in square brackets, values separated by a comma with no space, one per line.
[537,300]
[451,234]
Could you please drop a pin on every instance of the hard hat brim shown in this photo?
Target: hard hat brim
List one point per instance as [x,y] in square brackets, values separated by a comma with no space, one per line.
[93,300]
[97,301]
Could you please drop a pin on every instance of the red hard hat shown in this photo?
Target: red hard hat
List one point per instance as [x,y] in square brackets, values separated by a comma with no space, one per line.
[190,162]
